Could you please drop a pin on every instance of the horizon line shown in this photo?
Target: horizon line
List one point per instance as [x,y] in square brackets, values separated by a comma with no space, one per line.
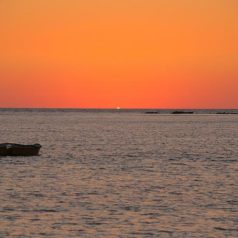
[119,108]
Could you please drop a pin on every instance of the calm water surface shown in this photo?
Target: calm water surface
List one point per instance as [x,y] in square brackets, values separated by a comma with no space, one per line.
[120,175]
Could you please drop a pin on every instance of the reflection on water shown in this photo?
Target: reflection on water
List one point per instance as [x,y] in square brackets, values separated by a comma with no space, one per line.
[120,175]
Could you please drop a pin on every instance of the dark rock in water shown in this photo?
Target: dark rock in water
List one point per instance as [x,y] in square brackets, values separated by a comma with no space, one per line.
[11,149]
[182,112]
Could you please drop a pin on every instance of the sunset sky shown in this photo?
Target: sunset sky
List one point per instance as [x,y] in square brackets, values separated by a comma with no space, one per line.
[127,53]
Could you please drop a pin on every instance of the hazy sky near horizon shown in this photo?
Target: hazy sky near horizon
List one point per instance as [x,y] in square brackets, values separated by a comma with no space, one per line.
[127,53]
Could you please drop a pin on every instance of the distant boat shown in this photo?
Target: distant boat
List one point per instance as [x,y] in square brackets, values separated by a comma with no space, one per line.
[11,149]
[182,112]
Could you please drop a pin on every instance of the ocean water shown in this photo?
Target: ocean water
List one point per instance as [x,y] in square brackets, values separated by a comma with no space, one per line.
[111,174]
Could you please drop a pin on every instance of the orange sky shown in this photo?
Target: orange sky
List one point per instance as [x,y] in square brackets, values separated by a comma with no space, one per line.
[127,53]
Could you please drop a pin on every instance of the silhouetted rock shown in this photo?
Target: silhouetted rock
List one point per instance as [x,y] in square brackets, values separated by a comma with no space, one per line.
[11,149]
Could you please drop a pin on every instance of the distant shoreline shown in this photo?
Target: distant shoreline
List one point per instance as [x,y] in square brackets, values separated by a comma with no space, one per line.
[92,108]
[134,110]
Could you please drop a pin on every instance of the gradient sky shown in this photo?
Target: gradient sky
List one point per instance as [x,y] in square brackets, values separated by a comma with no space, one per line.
[127,53]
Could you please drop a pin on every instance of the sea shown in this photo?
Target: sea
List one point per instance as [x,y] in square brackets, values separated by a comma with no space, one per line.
[120,173]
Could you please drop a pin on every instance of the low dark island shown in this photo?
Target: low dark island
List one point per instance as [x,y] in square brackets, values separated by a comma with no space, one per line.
[227,113]
[152,112]
[11,149]
[182,112]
